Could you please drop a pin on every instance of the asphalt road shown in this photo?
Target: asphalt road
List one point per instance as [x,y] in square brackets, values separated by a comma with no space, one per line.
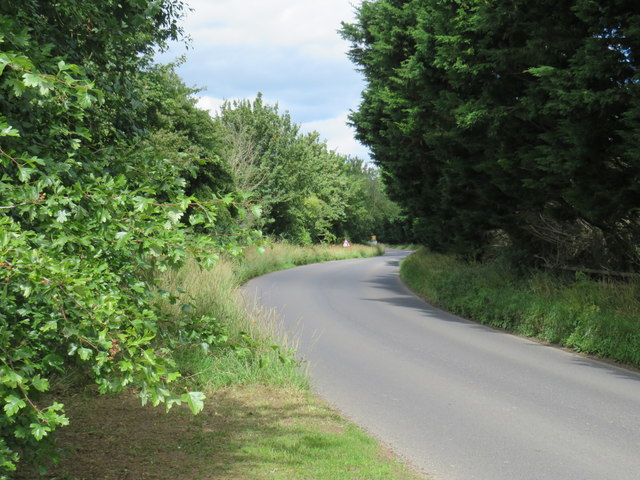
[458,400]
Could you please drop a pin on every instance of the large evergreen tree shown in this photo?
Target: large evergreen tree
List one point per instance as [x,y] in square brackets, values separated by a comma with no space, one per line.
[508,120]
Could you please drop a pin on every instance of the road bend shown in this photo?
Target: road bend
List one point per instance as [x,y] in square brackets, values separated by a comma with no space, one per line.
[458,400]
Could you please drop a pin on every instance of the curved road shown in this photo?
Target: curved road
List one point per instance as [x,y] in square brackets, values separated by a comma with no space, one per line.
[458,400]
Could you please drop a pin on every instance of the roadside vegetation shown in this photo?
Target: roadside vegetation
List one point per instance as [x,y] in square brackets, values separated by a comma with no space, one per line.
[259,420]
[597,316]
[507,123]
[249,346]
[111,182]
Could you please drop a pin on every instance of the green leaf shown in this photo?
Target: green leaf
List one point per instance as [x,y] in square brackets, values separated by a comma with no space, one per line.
[39,430]
[85,353]
[24,173]
[541,71]
[195,400]
[85,99]
[257,211]
[31,80]
[40,384]
[62,216]
[54,361]
[8,131]
[174,215]
[4,61]
[10,378]
[263,362]
[50,325]
[13,404]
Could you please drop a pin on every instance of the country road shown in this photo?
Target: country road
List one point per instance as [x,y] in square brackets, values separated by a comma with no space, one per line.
[458,400]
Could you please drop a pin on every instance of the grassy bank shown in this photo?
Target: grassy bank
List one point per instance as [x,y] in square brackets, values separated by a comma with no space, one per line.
[254,351]
[596,317]
[280,256]
[243,433]
[260,419]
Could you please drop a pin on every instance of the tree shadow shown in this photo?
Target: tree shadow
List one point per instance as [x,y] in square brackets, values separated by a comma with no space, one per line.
[403,297]
[242,433]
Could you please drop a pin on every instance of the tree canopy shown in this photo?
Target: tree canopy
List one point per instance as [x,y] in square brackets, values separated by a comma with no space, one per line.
[507,123]
[91,207]
[308,193]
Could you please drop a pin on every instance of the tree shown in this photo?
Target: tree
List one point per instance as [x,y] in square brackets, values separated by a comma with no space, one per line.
[308,192]
[88,213]
[180,131]
[368,209]
[513,120]
[282,168]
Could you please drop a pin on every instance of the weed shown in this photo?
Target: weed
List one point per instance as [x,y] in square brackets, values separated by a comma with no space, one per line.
[599,317]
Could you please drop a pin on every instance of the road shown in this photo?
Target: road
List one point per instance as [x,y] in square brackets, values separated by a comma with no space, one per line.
[458,400]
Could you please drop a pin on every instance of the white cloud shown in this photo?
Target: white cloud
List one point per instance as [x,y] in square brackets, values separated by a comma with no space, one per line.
[287,49]
[339,135]
[210,104]
[309,25]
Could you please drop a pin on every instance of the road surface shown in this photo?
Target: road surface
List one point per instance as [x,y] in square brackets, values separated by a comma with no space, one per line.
[458,400]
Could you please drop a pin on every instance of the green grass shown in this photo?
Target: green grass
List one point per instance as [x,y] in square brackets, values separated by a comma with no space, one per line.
[216,294]
[596,317]
[260,419]
[244,433]
[280,256]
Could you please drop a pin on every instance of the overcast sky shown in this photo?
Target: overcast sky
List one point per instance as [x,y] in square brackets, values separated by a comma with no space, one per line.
[287,49]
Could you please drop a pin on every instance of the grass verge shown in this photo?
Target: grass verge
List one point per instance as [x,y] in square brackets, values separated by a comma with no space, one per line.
[255,432]
[260,419]
[595,317]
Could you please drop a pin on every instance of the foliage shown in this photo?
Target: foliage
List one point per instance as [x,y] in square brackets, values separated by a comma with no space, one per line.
[369,210]
[247,345]
[244,361]
[596,317]
[182,133]
[240,345]
[86,217]
[308,193]
[280,256]
[277,164]
[507,123]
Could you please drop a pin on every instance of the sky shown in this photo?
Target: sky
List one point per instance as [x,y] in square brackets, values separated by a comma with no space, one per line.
[287,49]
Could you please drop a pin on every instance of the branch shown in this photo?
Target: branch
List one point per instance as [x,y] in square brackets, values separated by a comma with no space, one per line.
[596,271]
[11,158]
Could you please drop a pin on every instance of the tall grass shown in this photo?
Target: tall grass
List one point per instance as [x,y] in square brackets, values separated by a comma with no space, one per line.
[596,317]
[280,256]
[253,350]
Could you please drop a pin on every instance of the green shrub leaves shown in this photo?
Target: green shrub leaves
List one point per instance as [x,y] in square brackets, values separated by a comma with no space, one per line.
[88,213]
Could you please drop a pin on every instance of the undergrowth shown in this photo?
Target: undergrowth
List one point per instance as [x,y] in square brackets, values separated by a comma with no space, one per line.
[247,347]
[599,317]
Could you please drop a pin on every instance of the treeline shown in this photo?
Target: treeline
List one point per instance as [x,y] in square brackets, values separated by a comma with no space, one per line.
[307,192]
[109,174]
[510,125]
